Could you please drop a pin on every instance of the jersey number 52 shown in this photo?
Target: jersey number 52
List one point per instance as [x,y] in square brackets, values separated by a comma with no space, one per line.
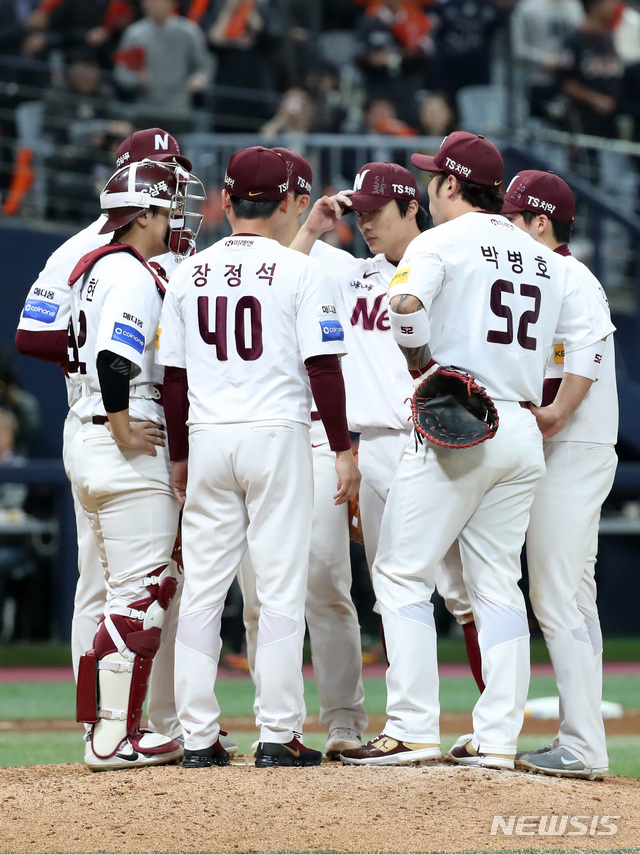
[527,318]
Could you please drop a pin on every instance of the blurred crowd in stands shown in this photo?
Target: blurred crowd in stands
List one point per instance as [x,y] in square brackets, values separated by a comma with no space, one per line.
[396,67]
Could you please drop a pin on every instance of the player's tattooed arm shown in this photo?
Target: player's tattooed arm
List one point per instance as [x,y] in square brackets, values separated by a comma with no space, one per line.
[409,306]
[417,357]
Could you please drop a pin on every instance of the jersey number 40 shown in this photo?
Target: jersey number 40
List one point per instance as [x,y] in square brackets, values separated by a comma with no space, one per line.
[247,327]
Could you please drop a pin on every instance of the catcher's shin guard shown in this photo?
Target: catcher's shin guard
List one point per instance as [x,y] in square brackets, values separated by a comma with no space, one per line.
[113,677]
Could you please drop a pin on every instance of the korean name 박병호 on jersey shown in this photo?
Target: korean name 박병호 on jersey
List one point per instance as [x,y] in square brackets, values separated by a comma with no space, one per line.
[495,299]
[242,316]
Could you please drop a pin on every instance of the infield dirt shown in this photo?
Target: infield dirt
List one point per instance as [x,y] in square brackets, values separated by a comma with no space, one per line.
[54,808]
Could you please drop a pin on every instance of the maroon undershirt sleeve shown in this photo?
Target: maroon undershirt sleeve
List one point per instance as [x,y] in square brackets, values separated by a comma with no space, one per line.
[176,410]
[550,390]
[49,345]
[327,387]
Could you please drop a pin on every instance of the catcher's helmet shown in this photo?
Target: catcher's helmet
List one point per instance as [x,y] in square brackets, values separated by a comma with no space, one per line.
[139,186]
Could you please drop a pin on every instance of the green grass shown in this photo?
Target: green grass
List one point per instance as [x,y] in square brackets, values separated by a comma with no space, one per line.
[56,700]
[450,651]
[27,700]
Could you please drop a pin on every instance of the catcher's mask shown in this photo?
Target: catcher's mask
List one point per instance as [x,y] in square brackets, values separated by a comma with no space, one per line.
[140,186]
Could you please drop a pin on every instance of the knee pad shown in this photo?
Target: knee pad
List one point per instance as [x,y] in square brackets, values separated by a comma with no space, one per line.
[113,677]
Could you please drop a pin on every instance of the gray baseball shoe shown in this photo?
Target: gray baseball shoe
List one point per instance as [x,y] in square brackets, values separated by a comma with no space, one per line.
[560,762]
[535,752]
[339,739]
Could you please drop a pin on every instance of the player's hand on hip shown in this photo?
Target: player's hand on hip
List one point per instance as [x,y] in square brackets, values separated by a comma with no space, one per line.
[348,477]
[551,419]
[142,436]
[179,480]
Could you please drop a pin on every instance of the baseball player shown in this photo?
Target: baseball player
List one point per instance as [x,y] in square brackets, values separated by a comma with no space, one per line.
[477,293]
[385,198]
[121,474]
[244,323]
[42,333]
[331,616]
[562,538]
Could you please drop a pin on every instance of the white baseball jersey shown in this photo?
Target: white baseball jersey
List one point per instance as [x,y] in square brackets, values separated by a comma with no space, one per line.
[596,419]
[378,384]
[507,296]
[248,299]
[47,307]
[116,307]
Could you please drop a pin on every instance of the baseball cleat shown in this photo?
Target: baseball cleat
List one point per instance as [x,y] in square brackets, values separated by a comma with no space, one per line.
[464,753]
[145,748]
[560,762]
[230,746]
[535,752]
[206,757]
[292,754]
[385,750]
[341,738]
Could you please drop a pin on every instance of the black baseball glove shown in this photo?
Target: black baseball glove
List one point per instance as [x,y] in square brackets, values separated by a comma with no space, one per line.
[450,409]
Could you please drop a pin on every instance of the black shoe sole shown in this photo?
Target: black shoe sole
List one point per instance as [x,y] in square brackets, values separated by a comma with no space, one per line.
[193,759]
[286,762]
[277,762]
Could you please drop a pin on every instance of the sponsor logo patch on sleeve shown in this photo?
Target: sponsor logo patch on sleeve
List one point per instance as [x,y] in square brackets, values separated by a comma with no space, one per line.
[558,354]
[37,309]
[332,330]
[400,277]
[327,310]
[128,335]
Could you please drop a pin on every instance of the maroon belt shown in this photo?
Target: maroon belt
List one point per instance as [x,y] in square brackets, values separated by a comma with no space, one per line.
[99,419]
[315,416]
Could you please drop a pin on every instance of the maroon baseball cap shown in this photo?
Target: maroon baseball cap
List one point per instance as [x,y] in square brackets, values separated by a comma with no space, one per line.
[150,144]
[300,174]
[257,174]
[468,156]
[376,184]
[540,192]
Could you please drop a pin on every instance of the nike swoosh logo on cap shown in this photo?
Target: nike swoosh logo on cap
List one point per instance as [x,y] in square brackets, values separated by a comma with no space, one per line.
[259,193]
[372,273]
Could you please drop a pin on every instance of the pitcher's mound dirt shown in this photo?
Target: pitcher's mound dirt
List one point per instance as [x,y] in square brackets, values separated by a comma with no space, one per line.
[334,807]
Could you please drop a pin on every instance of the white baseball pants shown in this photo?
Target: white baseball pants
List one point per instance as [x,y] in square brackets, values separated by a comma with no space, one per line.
[332,620]
[379,453]
[562,543]
[249,486]
[482,496]
[127,519]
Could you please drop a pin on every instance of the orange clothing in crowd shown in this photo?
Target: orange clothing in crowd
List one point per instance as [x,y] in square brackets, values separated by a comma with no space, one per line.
[410,22]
